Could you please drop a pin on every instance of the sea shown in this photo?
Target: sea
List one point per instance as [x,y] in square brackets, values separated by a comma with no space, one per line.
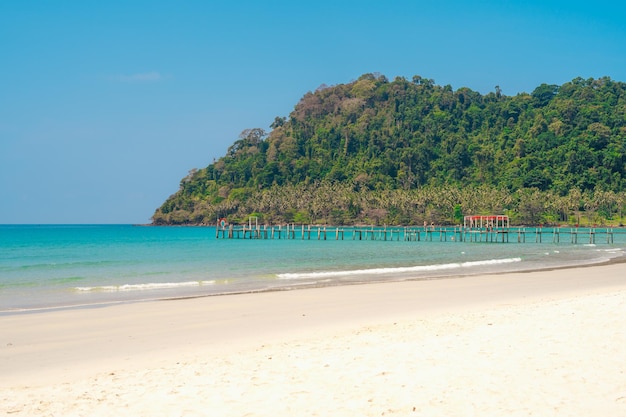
[45,267]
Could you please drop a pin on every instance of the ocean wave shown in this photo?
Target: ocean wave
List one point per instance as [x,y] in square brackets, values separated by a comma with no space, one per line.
[614,250]
[61,265]
[397,270]
[143,287]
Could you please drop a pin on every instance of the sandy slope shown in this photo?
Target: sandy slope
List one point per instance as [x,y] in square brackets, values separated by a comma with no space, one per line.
[543,343]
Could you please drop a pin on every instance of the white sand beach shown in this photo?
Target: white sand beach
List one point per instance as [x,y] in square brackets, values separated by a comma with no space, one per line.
[548,343]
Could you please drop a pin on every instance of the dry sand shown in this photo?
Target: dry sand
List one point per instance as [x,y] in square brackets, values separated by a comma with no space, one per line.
[550,343]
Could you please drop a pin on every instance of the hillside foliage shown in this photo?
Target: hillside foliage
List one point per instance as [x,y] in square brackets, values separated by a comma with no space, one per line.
[375,151]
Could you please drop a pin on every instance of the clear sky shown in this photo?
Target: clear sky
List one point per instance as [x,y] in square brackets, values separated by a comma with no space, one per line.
[106,105]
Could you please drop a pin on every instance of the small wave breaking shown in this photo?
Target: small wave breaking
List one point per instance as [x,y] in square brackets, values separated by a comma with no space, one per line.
[397,270]
[143,287]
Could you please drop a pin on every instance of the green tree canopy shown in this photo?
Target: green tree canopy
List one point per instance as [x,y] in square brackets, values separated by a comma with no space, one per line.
[374,140]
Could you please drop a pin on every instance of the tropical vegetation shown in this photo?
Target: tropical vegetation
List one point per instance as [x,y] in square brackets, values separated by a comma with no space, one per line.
[401,152]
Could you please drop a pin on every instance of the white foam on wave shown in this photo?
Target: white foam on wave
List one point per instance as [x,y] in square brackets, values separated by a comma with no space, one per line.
[397,270]
[143,287]
[613,250]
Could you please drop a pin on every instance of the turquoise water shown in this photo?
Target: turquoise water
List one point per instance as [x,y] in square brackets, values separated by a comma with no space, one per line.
[72,265]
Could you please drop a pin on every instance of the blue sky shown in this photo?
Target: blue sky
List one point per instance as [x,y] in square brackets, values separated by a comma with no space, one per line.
[106,105]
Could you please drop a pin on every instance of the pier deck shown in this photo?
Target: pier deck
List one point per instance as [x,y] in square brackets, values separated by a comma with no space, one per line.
[432,233]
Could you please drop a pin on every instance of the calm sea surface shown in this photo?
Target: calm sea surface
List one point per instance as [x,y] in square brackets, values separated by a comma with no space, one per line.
[54,266]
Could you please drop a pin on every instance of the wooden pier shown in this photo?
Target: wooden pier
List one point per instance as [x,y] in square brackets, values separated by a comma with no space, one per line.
[418,234]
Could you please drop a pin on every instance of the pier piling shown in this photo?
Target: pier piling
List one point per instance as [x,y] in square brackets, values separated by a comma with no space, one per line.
[415,234]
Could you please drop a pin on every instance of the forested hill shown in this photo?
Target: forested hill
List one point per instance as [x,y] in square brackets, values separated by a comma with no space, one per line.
[406,151]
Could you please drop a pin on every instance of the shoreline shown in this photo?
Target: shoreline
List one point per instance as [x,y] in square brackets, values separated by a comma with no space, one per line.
[490,342]
[304,286]
[616,260]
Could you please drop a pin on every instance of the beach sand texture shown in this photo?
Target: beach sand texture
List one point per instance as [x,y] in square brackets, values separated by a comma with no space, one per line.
[547,343]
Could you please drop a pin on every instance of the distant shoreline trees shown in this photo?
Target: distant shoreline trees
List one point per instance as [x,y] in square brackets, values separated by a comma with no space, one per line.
[342,204]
